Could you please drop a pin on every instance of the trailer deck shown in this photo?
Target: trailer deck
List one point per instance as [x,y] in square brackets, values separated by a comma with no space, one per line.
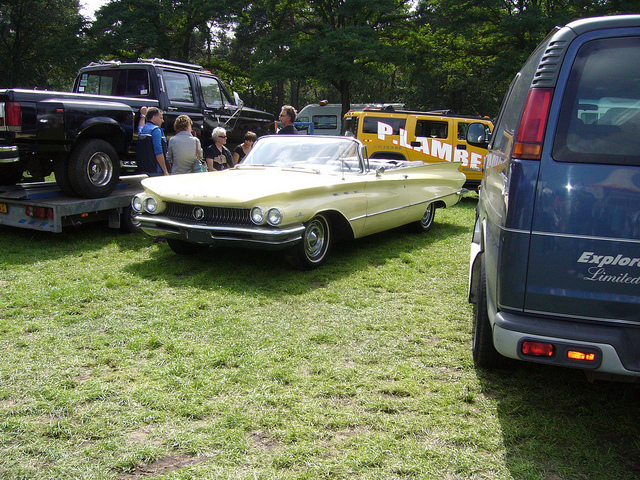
[42,206]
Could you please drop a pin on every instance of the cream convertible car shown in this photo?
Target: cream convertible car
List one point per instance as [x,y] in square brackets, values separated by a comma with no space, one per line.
[296,193]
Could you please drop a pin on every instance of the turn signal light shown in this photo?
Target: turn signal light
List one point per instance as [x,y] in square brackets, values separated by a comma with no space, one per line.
[583,356]
[537,349]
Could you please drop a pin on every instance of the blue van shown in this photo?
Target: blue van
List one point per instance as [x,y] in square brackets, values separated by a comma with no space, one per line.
[555,254]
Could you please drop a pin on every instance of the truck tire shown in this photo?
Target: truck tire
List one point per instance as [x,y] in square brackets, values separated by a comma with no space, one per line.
[61,172]
[94,168]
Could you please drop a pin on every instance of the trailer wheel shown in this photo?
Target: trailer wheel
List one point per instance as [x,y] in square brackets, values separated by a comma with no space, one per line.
[128,223]
[94,168]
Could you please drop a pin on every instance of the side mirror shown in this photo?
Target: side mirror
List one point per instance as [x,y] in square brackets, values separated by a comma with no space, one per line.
[478,135]
[238,100]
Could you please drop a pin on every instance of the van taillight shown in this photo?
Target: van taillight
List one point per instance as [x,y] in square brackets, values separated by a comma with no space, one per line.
[533,124]
[13,119]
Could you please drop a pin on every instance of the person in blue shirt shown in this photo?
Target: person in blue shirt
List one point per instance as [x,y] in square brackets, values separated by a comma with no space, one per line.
[151,149]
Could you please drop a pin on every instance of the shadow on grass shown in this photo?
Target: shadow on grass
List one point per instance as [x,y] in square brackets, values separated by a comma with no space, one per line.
[557,425]
[267,272]
[20,246]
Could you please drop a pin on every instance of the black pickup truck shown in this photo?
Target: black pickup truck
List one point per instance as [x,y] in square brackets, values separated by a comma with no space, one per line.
[87,135]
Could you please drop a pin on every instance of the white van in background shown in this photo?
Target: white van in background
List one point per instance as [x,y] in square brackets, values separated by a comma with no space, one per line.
[327,117]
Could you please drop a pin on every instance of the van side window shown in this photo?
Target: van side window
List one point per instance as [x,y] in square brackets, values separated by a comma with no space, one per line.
[600,113]
[370,124]
[325,122]
[433,129]
[178,87]
[507,124]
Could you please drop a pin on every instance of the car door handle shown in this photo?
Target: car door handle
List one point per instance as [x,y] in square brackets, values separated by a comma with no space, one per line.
[461,147]
[172,109]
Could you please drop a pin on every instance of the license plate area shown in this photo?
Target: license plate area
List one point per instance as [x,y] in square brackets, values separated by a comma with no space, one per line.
[4,208]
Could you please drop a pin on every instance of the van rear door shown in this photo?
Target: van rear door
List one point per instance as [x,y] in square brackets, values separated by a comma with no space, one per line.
[585,244]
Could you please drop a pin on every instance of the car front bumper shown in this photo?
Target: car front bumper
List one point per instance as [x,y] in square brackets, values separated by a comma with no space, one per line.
[258,237]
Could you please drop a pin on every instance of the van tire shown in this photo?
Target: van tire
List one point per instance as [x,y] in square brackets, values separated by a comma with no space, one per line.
[485,354]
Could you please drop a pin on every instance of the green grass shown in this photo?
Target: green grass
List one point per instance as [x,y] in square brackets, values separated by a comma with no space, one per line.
[121,360]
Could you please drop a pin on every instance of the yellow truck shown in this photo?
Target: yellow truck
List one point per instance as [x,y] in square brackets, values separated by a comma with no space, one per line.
[436,136]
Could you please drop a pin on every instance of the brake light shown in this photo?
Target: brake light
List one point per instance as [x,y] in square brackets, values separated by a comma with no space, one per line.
[528,144]
[537,349]
[13,118]
[39,212]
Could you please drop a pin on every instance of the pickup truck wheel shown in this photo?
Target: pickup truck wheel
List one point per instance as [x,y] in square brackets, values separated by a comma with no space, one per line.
[312,251]
[94,168]
[485,354]
[426,222]
[61,172]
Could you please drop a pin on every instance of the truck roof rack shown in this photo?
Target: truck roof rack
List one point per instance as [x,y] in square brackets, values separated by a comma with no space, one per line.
[162,61]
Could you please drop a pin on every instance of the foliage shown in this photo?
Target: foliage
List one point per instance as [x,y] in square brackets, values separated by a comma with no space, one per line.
[41,43]
[428,54]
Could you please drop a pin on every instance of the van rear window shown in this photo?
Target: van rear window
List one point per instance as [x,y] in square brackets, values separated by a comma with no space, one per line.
[600,114]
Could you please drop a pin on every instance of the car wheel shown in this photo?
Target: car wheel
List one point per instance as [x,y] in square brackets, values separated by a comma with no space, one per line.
[425,223]
[485,354]
[312,251]
[185,248]
[94,169]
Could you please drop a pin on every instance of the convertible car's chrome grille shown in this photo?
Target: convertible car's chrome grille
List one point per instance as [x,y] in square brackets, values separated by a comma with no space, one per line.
[208,215]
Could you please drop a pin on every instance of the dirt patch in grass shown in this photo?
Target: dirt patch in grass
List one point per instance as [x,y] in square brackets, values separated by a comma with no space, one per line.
[163,466]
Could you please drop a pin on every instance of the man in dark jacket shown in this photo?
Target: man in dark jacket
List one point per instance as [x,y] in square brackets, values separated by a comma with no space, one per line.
[287,117]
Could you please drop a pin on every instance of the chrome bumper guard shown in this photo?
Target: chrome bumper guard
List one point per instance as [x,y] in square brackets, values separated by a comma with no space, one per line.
[253,237]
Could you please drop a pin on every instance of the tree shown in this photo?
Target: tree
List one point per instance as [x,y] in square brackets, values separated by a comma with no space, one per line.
[41,43]
[348,41]
[171,29]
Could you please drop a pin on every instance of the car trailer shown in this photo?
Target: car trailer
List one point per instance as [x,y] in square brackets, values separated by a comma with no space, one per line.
[42,206]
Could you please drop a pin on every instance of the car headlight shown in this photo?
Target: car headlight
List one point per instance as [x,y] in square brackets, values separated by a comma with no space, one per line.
[274,216]
[257,216]
[136,203]
[150,205]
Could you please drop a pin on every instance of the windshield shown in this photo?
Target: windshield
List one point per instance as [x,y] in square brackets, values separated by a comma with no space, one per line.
[306,151]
